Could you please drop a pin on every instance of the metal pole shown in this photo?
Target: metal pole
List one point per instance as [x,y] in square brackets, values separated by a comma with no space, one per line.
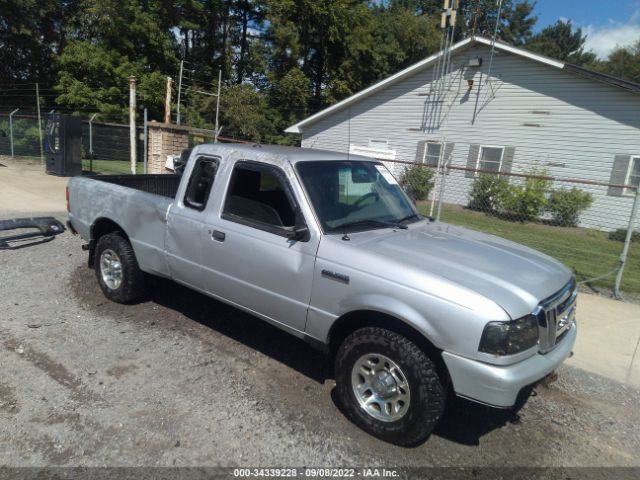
[146,133]
[39,123]
[132,122]
[11,131]
[627,242]
[215,138]
[179,92]
[91,142]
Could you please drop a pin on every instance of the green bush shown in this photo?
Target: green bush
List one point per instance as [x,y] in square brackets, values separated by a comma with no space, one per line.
[525,202]
[620,235]
[417,181]
[565,206]
[487,191]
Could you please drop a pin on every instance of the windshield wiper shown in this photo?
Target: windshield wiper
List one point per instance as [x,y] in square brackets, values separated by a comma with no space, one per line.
[368,223]
[408,217]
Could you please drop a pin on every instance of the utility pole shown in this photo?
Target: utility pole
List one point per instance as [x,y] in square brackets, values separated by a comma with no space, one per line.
[215,138]
[132,122]
[11,131]
[167,102]
[179,91]
[39,122]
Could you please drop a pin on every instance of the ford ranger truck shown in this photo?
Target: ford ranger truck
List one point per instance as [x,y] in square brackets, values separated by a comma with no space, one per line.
[328,247]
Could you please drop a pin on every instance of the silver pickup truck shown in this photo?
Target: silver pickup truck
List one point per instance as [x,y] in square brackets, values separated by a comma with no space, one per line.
[329,248]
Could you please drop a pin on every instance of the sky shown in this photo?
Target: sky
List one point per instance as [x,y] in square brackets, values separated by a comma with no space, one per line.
[608,23]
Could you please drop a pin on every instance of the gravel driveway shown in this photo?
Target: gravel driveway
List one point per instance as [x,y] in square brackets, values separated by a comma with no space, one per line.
[184,380]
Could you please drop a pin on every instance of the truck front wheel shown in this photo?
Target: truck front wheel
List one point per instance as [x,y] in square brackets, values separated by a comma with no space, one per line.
[388,386]
[119,275]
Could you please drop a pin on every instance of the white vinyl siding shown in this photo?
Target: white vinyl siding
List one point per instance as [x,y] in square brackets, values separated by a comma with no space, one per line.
[490,158]
[555,121]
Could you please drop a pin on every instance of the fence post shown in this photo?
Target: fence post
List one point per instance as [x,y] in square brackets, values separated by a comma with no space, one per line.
[132,122]
[39,123]
[146,139]
[11,131]
[445,166]
[91,142]
[627,242]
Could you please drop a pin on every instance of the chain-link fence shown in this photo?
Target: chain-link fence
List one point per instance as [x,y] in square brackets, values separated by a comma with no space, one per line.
[106,147]
[582,223]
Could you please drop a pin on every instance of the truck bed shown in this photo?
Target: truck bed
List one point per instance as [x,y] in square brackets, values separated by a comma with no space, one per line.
[159,184]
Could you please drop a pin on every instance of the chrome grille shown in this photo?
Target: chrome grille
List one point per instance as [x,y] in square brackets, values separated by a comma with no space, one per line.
[555,315]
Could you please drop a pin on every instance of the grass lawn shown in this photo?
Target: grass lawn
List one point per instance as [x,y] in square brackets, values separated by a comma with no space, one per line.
[111,167]
[589,253]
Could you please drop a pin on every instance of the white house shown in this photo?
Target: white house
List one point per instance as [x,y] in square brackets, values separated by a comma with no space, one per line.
[528,111]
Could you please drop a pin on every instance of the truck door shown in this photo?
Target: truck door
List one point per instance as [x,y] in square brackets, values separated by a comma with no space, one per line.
[186,228]
[251,258]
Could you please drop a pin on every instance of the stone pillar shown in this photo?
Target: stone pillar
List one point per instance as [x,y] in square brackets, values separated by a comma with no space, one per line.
[165,140]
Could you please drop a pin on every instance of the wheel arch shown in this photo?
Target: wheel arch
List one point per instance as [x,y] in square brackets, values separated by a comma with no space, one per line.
[348,323]
[101,227]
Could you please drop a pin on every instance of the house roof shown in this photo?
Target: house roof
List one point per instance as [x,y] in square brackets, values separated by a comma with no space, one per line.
[463,44]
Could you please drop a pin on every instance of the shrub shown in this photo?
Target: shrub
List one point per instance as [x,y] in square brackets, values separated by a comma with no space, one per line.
[525,202]
[487,192]
[566,206]
[620,235]
[417,182]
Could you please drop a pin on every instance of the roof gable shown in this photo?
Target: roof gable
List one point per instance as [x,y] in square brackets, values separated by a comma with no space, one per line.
[457,48]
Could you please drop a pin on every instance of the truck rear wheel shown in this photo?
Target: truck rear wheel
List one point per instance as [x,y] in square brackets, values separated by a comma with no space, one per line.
[388,386]
[117,270]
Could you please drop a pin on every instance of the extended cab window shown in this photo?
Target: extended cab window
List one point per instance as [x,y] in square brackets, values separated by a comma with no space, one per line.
[200,183]
[258,197]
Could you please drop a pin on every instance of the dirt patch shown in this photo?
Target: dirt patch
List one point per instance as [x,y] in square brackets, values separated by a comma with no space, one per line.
[120,371]
[8,400]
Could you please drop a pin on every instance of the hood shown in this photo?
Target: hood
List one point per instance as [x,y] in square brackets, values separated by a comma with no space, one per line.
[514,276]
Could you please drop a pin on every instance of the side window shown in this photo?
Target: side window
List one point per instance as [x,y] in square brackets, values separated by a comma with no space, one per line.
[633,175]
[432,155]
[200,183]
[490,158]
[258,197]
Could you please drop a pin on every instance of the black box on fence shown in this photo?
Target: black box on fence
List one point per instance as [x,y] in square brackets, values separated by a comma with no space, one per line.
[63,145]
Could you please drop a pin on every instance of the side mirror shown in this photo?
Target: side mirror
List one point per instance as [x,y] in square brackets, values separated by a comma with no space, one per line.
[299,233]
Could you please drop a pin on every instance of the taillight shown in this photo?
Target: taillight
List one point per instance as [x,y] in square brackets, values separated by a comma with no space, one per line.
[67,193]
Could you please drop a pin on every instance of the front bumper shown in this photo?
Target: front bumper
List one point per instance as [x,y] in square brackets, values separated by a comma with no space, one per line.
[499,386]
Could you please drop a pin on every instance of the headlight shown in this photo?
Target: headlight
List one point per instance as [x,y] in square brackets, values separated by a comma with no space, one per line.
[507,338]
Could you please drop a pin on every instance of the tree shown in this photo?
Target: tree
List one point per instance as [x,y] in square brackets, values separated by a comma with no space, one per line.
[110,40]
[562,42]
[623,62]
[479,17]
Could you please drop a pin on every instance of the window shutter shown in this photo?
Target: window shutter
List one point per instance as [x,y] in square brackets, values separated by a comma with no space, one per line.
[474,151]
[618,174]
[421,152]
[507,159]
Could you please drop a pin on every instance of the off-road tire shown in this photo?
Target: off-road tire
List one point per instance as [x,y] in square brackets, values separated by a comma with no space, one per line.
[428,396]
[132,287]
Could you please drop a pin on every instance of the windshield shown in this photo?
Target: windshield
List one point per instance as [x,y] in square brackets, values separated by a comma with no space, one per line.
[355,195]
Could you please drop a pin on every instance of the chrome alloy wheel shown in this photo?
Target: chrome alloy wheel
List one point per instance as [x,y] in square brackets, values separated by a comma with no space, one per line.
[111,269]
[380,386]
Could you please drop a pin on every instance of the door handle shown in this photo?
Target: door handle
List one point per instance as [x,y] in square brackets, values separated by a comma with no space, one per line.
[218,235]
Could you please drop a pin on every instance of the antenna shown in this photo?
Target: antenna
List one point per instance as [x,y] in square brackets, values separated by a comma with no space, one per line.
[493,45]
[349,134]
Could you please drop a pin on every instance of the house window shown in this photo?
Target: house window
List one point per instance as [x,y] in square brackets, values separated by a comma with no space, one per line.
[432,155]
[490,158]
[633,176]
